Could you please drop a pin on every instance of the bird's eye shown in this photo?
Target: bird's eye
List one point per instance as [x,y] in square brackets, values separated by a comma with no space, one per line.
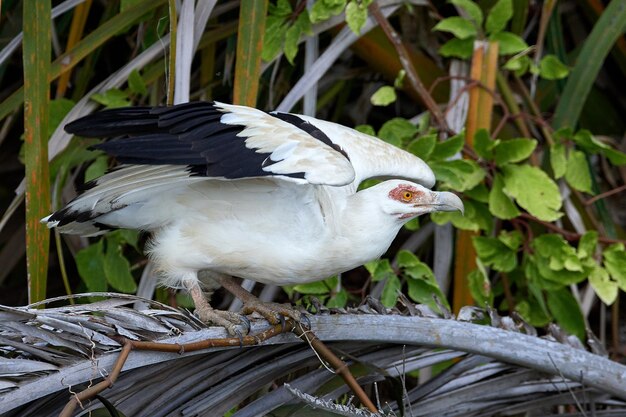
[407,196]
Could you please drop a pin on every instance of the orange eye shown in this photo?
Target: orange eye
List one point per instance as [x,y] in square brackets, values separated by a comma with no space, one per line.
[407,196]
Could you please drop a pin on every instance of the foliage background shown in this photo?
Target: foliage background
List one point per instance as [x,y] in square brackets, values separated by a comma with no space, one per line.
[529,131]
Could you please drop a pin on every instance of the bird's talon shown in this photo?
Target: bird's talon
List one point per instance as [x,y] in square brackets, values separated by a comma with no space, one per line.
[304,321]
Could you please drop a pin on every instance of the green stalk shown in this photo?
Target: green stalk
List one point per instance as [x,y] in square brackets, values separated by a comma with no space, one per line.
[172,61]
[36,102]
[249,47]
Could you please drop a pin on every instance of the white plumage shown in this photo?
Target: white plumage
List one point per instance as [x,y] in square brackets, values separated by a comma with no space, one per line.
[237,191]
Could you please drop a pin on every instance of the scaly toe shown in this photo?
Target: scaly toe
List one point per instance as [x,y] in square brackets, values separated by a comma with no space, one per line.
[273,312]
[234,323]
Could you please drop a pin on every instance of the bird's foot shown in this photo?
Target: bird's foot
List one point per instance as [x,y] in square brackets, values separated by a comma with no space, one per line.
[236,324]
[275,313]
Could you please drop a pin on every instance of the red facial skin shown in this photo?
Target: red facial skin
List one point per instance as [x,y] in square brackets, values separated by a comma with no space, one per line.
[398,195]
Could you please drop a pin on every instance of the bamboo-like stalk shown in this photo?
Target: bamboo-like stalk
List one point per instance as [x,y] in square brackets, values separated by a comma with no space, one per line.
[36,103]
[483,71]
[249,47]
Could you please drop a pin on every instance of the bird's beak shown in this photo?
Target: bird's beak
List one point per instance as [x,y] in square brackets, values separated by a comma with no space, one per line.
[445,201]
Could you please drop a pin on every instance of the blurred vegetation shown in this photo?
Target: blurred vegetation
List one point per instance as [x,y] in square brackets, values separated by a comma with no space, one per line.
[516,105]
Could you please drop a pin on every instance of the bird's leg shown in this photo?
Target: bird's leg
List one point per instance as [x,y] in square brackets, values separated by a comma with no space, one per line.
[273,312]
[208,314]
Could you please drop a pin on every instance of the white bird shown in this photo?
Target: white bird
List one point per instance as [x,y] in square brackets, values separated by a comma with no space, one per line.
[236,191]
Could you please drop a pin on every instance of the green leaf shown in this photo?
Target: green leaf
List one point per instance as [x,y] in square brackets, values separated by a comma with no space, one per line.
[275,32]
[532,313]
[615,264]
[477,217]
[558,160]
[97,168]
[356,14]
[499,203]
[512,239]
[587,244]
[566,311]
[448,148]
[292,36]
[380,269]
[483,144]
[499,16]
[338,300]
[459,27]
[478,193]
[384,96]
[459,174]
[112,98]
[509,43]
[406,259]
[458,48]
[59,108]
[472,9]
[90,265]
[480,288]
[324,9]
[136,83]
[367,129]
[557,262]
[423,146]
[519,64]
[551,68]
[514,150]
[117,270]
[282,8]
[533,190]
[604,287]
[396,131]
[390,291]
[577,174]
[412,224]
[495,254]
[317,287]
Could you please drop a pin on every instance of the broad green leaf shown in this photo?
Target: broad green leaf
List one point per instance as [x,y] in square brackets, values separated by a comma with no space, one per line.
[514,150]
[558,160]
[499,16]
[59,108]
[615,263]
[396,131]
[603,285]
[616,157]
[512,239]
[412,224]
[551,68]
[480,288]
[90,265]
[566,311]
[458,48]
[117,271]
[557,262]
[459,174]
[390,291]
[587,244]
[384,96]
[533,190]
[423,146]
[399,81]
[499,203]
[448,148]
[509,43]
[356,14]
[477,217]
[275,31]
[338,300]
[292,36]
[531,313]
[282,8]
[478,193]
[136,83]
[472,9]
[495,254]
[112,98]
[459,27]
[324,9]
[367,129]
[519,64]
[126,237]
[97,168]
[422,291]
[317,287]
[406,259]
[380,269]
[577,173]
[483,144]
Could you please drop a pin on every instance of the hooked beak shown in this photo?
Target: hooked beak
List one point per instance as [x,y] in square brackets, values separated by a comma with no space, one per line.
[445,201]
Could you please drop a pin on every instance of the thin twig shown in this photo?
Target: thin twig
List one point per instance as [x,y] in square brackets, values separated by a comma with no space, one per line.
[604,195]
[566,233]
[408,66]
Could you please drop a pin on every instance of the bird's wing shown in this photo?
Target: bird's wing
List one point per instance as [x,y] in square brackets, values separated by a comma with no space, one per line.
[220,141]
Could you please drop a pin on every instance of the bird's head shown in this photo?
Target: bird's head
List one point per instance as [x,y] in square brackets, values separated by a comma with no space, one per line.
[405,200]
